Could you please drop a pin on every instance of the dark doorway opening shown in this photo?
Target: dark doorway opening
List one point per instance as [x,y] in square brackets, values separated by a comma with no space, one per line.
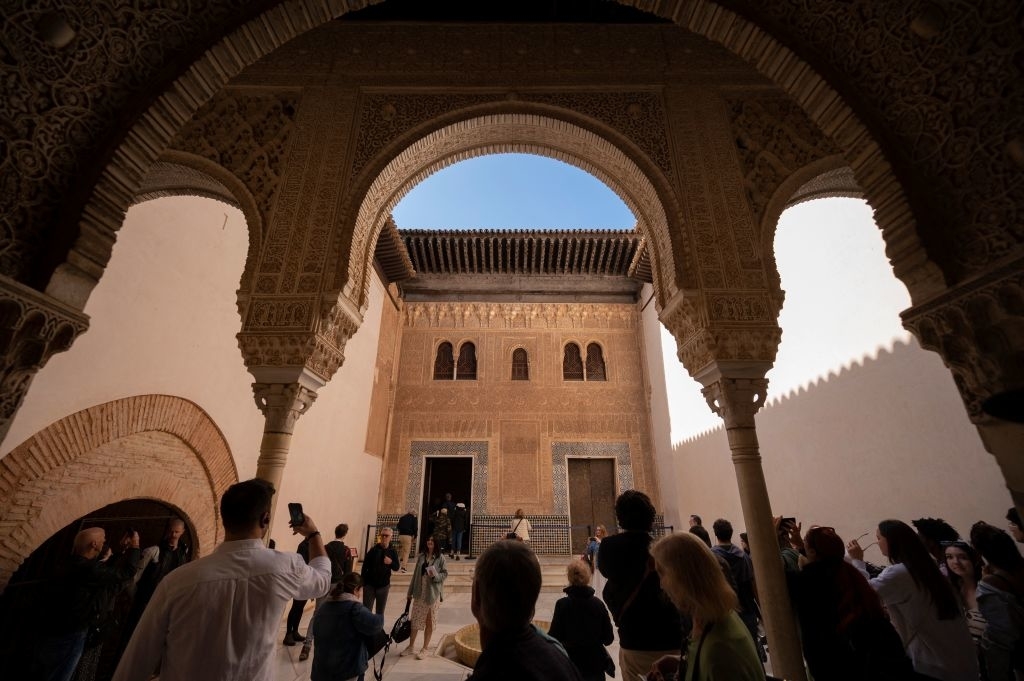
[591,499]
[443,475]
[21,617]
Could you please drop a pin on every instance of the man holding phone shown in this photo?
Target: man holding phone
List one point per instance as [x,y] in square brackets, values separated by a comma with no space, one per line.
[220,614]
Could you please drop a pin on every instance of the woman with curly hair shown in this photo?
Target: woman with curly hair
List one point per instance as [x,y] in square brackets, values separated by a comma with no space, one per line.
[922,604]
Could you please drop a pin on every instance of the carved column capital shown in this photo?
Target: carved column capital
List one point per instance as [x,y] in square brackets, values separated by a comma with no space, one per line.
[976,329]
[33,328]
[282,404]
[723,326]
[736,400]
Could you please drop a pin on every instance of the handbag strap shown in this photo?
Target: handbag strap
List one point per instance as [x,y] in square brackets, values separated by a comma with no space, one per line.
[518,523]
[636,590]
[696,654]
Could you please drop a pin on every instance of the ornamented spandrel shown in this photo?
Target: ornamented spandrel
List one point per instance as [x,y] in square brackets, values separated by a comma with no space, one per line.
[33,328]
[976,329]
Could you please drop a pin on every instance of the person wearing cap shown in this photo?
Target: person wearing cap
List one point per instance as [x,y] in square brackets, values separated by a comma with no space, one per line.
[460,519]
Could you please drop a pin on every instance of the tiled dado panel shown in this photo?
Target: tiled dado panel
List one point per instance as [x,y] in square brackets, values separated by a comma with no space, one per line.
[561,451]
[420,449]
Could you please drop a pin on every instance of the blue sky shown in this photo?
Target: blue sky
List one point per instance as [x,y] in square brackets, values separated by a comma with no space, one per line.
[842,300]
[513,191]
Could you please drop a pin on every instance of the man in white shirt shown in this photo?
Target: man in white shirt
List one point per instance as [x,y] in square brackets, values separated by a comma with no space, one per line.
[217,617]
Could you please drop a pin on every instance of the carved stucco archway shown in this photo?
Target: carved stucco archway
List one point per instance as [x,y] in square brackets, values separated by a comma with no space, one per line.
[534,133]
[148,446]
[151,133]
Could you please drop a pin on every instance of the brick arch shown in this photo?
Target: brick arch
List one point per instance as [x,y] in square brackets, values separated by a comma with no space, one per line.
[534,133]
[153,130]
[147,446]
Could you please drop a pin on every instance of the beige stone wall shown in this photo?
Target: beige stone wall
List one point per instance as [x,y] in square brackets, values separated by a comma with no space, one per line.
[163,322]
[519,420]
[886,438]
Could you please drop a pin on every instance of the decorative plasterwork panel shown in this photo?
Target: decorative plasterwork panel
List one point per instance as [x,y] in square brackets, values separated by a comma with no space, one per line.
[774,139]
[561,451]
[420,450]
[521,315]
[978,331]
[245,134]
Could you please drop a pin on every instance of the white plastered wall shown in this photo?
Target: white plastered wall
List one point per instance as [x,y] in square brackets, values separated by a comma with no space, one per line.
[886,438]
[163,320]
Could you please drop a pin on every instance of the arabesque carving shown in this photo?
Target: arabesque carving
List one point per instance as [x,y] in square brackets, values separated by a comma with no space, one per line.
[246,134]
[774,139]
[520,315]
[977,330]
[33,328]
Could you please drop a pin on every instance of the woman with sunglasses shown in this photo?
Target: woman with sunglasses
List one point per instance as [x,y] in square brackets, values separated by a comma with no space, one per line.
[845,633]
[922,605]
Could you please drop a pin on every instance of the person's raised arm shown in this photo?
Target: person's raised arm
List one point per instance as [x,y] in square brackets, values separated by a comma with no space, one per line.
[316,542]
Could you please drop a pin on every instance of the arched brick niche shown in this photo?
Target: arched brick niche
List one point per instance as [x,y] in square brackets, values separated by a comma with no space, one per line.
[147,446]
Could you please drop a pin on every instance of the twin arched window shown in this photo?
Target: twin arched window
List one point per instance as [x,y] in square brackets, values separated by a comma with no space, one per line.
[447,369]
[574,368]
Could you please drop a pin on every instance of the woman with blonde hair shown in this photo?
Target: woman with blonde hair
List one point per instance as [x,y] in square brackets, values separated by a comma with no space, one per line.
[581,623]
[720,644]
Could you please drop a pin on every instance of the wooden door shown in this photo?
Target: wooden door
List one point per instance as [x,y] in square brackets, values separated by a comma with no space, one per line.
[591,499]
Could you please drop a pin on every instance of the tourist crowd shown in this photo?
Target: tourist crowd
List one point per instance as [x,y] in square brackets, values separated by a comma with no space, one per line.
[685,606]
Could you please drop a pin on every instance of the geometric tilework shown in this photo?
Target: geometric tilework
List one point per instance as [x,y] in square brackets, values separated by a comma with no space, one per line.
[560,451]
[420,449]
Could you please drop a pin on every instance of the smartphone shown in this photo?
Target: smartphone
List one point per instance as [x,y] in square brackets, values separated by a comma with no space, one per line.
[788,521]
[295,511]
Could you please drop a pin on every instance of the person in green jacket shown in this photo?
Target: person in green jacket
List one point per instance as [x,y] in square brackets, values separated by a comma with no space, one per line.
[426,591]
[720,645]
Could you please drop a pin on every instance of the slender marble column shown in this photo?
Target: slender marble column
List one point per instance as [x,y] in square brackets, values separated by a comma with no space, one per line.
[282,404]
[736,400]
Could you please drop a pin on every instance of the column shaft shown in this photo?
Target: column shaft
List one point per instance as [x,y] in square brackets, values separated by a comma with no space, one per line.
[779,622]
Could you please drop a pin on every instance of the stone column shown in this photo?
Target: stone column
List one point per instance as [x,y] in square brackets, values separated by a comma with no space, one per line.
[282,404]
[735,391]
[33,328]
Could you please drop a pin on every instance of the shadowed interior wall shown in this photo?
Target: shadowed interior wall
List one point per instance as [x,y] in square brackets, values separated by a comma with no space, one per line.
[886,438]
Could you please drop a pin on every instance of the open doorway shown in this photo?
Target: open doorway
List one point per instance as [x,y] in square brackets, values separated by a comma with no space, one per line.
[591,499]
[444,475]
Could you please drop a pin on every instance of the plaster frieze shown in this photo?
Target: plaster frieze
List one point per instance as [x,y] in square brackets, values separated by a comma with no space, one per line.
[976,329]
[442,315]
[33,328]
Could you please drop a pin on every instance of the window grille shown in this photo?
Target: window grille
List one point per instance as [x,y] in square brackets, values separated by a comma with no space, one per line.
[572,363]
[595,363]
[444,363]
[466,370]
[520,365]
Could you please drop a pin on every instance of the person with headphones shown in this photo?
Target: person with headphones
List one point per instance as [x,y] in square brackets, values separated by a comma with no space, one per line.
[230,601]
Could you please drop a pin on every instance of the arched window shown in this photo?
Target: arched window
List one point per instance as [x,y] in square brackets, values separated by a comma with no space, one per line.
[466,370]
[572,363]
[595,363]
[444,363]
[520,365]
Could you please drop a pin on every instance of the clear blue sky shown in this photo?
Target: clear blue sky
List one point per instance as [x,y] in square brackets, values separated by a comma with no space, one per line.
[842,300]
[512,191]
